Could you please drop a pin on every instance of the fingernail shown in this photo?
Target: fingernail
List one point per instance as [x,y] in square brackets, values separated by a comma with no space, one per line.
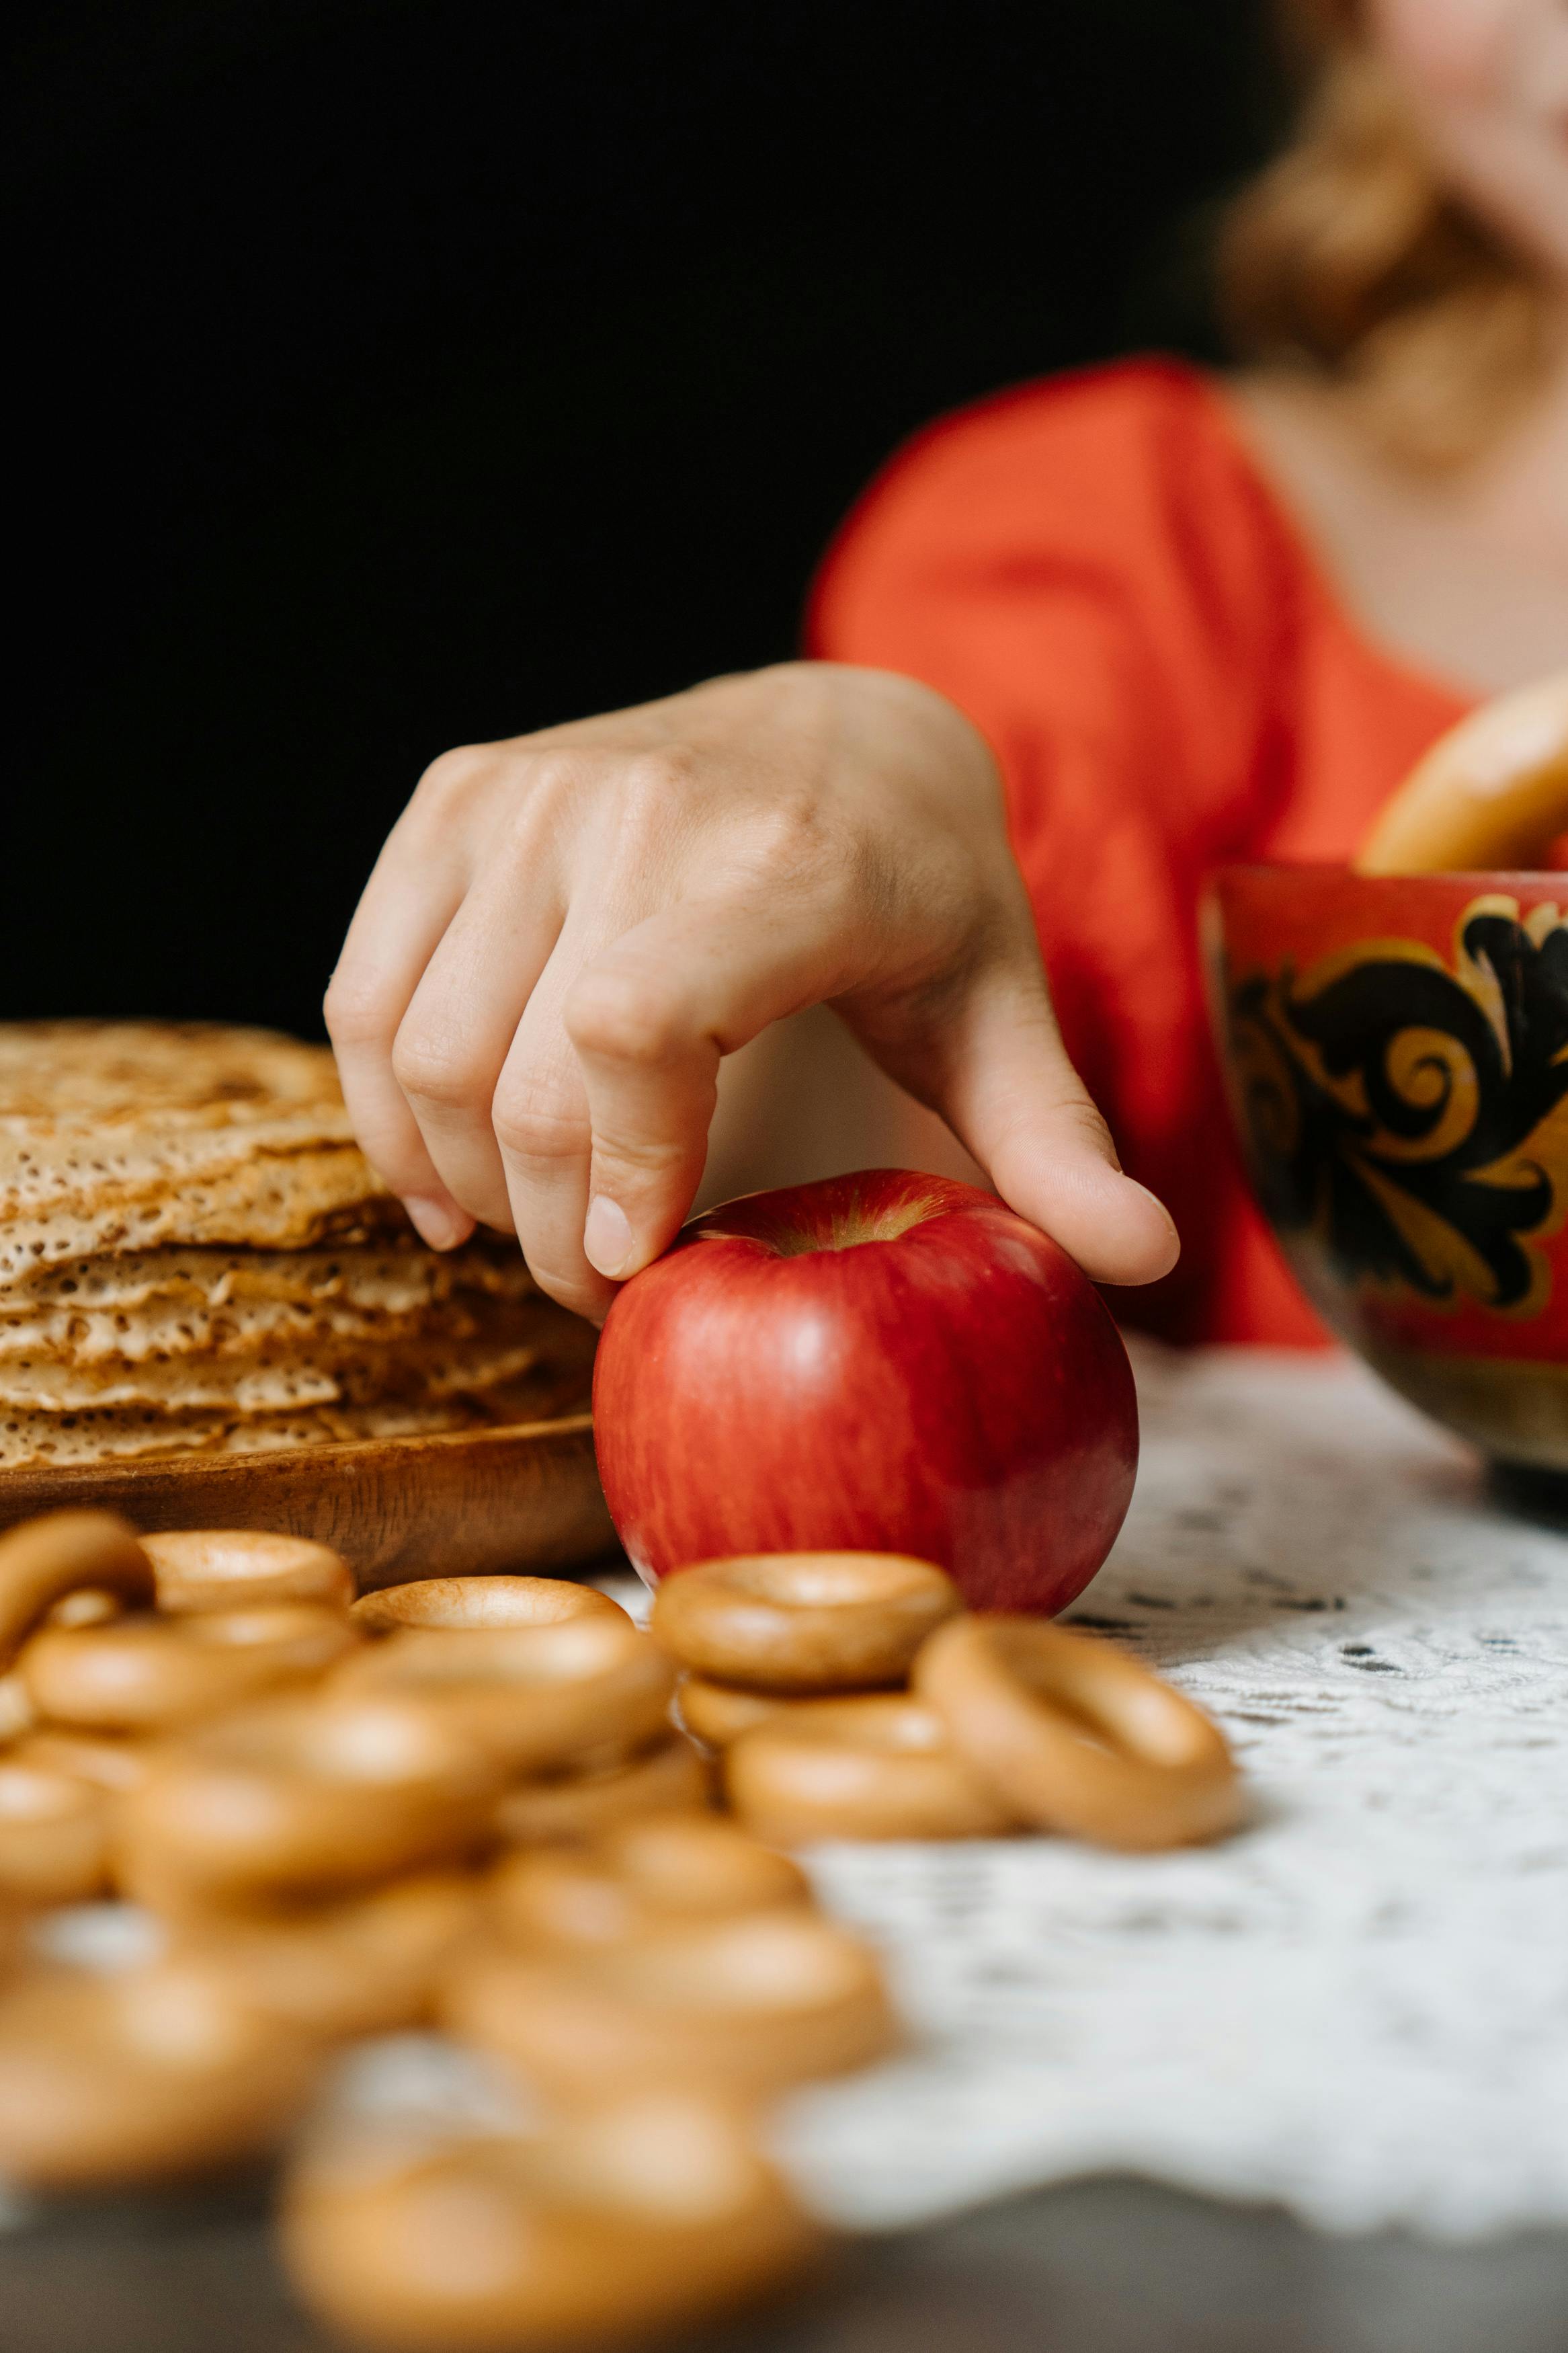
[1154,1199]
[1172,1232]
[439,1223]
[607,1239]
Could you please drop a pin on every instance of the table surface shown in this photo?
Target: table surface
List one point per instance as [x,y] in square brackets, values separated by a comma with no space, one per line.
[1096,2267]
[1105,2265]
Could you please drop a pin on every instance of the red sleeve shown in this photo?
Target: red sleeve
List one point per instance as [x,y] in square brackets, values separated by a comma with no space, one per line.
[1090,569]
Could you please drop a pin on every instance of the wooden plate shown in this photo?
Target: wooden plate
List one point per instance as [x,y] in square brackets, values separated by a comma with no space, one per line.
[469,1502]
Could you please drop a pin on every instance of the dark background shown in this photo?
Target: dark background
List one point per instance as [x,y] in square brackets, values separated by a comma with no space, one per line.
[401,372]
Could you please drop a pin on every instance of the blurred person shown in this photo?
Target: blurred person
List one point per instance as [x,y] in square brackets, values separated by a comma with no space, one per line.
[1077,645]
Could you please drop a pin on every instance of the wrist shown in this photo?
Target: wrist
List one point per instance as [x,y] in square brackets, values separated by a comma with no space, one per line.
[897,720]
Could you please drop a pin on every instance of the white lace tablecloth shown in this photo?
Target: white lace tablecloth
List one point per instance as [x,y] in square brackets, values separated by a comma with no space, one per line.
[1360,2006]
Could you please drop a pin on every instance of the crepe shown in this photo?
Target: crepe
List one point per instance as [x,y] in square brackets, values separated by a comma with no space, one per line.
[466,1351]
[194,1256]
[39,1439]
[396,1278]
[118,1136]
[260,1190]
[35,1439]
[187,1302]
[110,1074]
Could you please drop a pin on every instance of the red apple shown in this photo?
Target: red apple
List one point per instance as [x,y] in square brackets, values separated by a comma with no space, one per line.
[884,1363]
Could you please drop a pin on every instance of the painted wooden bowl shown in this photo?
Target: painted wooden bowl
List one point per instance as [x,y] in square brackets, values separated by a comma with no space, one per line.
[1395,1051]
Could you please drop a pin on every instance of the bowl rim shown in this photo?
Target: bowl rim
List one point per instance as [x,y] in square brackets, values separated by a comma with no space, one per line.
[1483,876]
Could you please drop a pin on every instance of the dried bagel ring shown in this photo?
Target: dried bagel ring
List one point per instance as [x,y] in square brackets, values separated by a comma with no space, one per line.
[465,1603]
[589,1690]
[881,1766]
[657,1873]
[566,1809]
[1492,791]
[368,1966]
[301,1799]
[743,2005]
[54,1835]
[89,1605]
[43,1560]
[18,1713]
[647,2215]
[104,1760]
[719,1712]
[110,2080]
[201,1569]
[802,1621]
[146,1674]
[1078,1737]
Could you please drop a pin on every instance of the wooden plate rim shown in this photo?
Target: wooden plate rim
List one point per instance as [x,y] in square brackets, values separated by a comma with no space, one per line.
[330,1456]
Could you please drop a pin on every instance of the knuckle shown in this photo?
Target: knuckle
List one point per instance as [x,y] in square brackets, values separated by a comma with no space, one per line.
[1091,1124]
[1075,1115]
[654,789]
[531,1127]
[434,1068]
[609,1015]
[455,775]
[542,792]
[356,1009]
[487,783]
[641,1163]
[790,847]
[552,777]
[665,772]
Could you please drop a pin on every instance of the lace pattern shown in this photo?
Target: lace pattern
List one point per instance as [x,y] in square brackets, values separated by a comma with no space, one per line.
[1359,2007]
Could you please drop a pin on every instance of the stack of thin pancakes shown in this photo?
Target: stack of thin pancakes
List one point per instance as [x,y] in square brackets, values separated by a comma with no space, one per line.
[195,1255]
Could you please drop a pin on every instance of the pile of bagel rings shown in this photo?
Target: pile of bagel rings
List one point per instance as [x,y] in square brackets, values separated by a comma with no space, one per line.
[492,1806]
[850,1695]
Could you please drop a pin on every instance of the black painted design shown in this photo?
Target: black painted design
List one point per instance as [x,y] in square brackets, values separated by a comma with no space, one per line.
[1404,1113]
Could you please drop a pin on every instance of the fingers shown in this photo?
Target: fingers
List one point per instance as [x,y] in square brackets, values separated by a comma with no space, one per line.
[455,1038]
[406,909]
[520,1040]
[1002,1079]
[544,1134]
[650,1068]
[651,1018]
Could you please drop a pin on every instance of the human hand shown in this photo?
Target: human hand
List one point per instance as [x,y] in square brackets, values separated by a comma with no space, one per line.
[566,933]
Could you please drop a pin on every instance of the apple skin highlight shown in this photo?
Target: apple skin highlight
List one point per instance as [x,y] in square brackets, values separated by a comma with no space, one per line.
[885,1362]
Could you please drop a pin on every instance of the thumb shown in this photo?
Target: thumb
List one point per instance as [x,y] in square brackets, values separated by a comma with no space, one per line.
[999,1074]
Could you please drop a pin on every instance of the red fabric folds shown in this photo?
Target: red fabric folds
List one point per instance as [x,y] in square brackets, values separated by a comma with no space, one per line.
[1096,571]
